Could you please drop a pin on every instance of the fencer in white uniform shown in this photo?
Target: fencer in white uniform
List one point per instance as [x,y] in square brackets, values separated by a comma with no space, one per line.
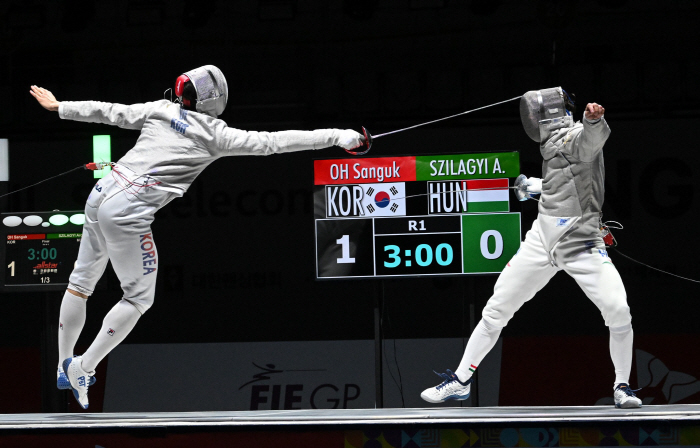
[566,236]
[176,143]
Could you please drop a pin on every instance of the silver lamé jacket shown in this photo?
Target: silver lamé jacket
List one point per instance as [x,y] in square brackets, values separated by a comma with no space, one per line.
[573,178]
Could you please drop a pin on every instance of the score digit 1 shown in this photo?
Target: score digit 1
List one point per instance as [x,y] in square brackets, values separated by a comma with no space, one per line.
[345,247]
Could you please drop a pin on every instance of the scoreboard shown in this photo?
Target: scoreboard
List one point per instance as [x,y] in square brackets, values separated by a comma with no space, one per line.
[40,249]
[415,215]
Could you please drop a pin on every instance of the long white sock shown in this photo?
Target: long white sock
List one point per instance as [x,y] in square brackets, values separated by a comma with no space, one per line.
[117,324]
[480,344]
[70,323]
[621,352]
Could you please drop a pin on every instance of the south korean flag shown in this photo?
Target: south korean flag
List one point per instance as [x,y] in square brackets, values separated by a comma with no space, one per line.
[385,199]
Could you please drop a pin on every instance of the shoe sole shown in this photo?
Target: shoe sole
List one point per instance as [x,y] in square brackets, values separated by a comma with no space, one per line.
[65,365]
[629,406]
[455,398]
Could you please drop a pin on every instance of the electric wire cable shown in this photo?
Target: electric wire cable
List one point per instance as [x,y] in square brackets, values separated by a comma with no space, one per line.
[398,371]
[399,383]
[41,182]
[656,269]
[384,355]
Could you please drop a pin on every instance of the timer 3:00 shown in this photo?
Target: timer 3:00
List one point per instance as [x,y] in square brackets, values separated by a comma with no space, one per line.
[423,255]
[42,254]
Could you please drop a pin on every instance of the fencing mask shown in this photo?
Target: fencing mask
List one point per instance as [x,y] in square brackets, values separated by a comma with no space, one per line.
[210,87]
[543,111]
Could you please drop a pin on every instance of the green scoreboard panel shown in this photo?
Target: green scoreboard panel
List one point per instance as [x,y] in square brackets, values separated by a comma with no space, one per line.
[415,216]
[40,249]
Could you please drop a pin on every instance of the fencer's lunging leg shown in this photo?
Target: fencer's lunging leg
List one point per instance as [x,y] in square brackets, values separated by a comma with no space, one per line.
[525,274]
[621,352]
[480,344]
[117,324]
[70,324]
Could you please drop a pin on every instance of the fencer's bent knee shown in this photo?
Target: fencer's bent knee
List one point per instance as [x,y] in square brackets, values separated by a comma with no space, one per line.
[140,292]
[80,290]
[490,327]
[77,294]
[621,329]
[141,304]
[617,316]
[495,318]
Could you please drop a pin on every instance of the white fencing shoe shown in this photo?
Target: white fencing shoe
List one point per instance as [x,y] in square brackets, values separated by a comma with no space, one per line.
[78,378]
[625,397]
[450,389]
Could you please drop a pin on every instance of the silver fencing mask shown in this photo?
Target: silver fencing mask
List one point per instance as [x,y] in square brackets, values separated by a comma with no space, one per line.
[543,111]
[212,89]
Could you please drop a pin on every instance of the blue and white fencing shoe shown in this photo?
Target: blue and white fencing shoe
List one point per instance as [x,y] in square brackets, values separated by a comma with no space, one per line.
[625,397]
[450,389]
[62,380]
[78,378]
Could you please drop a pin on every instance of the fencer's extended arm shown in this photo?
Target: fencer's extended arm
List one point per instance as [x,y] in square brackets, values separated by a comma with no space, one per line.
[237,142]
[127,117]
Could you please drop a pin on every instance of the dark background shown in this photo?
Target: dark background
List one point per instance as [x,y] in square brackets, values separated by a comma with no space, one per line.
[237,251]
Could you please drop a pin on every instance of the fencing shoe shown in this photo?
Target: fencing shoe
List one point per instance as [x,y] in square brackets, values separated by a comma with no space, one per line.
[62,380]
[78,378]
[625,397]
[450,389]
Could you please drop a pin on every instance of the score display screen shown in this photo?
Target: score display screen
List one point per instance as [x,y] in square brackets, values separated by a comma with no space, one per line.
[40,258]
[415,215]
[37,258]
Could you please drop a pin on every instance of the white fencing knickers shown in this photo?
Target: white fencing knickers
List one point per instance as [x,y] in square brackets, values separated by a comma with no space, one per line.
[584,259]
[118,217]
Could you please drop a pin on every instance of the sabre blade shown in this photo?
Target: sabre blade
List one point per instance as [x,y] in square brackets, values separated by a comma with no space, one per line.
[444,118]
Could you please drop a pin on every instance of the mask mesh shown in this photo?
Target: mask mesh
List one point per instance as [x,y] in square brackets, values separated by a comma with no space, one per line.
[212,89]
[542,109]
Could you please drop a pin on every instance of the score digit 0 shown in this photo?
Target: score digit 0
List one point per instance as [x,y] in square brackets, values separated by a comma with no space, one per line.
[423,255]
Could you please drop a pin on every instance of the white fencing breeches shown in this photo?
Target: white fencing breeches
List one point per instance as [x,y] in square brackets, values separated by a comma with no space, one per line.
[531,269]
[118,218]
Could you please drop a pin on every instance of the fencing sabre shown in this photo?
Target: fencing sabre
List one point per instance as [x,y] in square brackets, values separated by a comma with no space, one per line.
[369,138]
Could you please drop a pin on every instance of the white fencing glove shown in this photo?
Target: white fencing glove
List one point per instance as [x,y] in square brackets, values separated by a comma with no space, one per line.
[534,185]
[348,139]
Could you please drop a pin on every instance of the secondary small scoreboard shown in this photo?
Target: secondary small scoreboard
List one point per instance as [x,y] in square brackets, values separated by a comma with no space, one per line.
[415,215]
[40,249]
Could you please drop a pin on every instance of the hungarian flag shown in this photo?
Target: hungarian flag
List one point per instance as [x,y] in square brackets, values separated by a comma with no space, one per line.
[468,196]
[487,195]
